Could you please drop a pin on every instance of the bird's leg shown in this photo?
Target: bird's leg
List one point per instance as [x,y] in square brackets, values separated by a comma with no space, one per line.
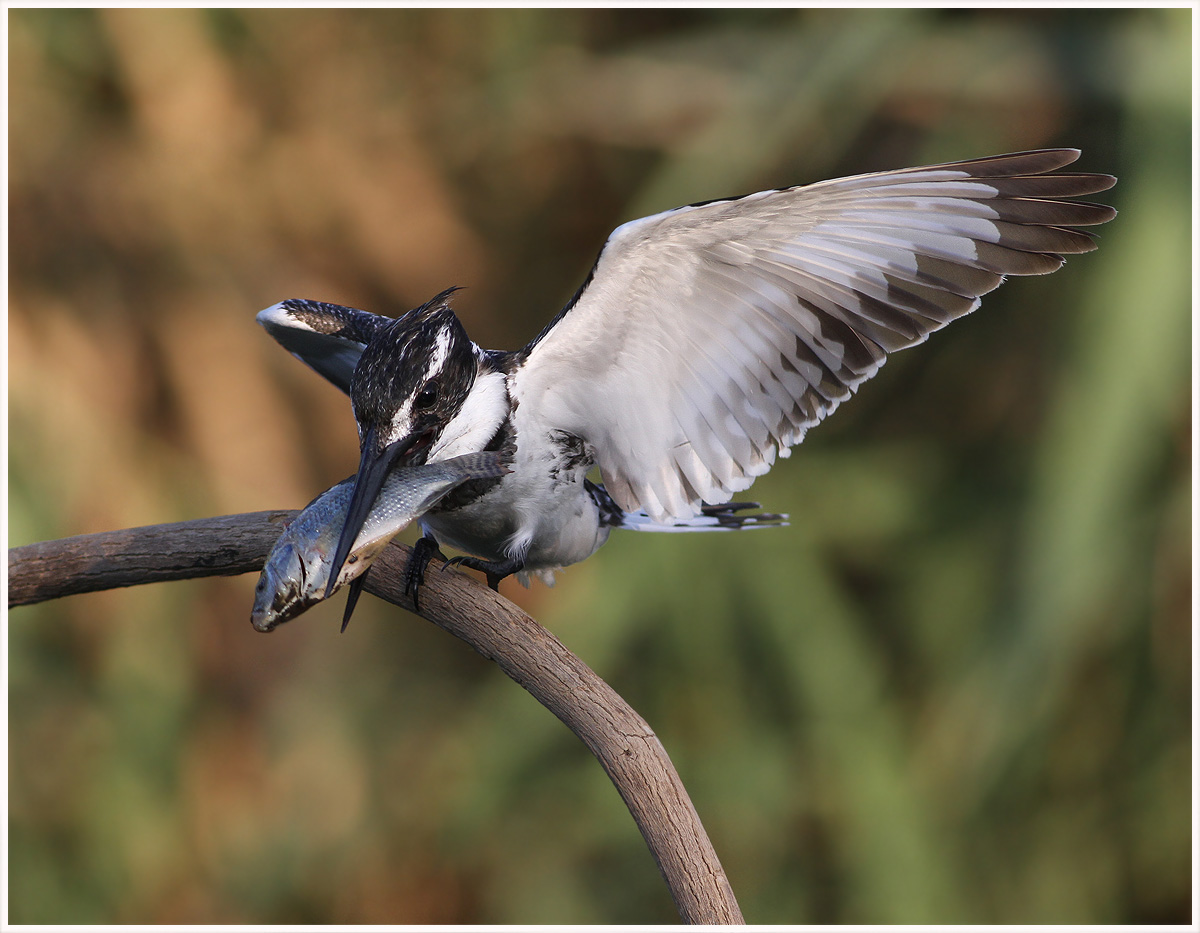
[423,552]
[496,570]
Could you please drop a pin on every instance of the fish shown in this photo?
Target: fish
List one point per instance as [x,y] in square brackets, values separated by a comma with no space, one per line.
[296,573]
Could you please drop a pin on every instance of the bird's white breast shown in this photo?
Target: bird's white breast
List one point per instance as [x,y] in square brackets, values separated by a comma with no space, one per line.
[539,512]
[476,423]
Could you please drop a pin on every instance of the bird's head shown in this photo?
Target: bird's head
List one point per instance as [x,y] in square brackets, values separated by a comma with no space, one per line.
[412,379]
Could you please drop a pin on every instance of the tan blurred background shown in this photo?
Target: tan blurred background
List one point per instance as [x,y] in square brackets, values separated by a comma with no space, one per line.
[955,690]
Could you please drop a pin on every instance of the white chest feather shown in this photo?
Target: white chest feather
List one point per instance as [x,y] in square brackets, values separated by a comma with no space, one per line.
[539,512]
[476,422]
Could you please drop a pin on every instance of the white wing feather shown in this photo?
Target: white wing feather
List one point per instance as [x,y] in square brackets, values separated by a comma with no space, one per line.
[710,338]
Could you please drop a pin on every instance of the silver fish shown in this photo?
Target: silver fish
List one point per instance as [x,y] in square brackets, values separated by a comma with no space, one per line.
[297,571]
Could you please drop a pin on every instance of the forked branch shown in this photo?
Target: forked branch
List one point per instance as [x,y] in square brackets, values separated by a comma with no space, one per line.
[625,745]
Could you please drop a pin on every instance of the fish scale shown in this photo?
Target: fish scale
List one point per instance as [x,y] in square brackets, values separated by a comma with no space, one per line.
[296,573]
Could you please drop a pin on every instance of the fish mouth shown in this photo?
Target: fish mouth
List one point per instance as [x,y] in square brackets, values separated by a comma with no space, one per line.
[279,595]
[264,621]
[261,616]
[284,608]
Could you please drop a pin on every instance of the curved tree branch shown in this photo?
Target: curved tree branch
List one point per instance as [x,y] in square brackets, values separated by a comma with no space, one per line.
[625,745]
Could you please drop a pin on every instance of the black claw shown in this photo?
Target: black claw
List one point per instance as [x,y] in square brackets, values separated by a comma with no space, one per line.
[423,552]
[726,514]
[496,570]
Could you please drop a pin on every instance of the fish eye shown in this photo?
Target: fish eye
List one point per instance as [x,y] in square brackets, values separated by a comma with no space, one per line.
[427,396]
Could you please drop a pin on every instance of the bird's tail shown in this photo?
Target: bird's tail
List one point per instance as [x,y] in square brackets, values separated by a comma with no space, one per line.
[729,516]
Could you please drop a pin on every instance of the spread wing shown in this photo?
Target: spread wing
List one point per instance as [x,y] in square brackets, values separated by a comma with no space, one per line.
[709,339]
[329,338]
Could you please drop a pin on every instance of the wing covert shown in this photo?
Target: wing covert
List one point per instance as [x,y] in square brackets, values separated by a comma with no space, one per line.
[710,338]
[329,338]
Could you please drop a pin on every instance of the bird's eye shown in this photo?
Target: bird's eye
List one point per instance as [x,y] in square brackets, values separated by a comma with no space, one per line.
[426,397]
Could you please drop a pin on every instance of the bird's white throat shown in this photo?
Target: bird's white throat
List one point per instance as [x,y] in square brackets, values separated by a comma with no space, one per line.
[485,407]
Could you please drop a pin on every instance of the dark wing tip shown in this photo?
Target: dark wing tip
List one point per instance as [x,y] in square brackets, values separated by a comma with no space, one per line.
[1029,162]
[1033,162]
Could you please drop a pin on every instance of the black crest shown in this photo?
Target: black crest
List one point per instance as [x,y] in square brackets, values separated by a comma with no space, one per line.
[423,360]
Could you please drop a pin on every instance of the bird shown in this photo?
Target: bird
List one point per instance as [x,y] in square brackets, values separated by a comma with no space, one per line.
[703,344]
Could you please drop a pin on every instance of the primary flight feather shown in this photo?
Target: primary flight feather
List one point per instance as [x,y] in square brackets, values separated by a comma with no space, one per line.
[706,341]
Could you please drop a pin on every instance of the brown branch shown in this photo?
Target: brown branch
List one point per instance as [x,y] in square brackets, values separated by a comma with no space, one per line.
[207,547]
[624,744]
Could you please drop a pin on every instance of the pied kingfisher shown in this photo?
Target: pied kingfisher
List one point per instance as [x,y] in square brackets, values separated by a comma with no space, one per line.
[704,343]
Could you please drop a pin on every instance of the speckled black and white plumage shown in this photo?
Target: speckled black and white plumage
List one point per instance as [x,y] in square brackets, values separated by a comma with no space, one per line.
[329,338]
[414,373]
[703,345]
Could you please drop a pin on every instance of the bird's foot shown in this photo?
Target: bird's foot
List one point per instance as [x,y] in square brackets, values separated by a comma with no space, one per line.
[496,570]
[423,552]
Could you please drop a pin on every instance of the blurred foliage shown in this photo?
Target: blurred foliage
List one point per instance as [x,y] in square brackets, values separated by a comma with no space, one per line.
[956,689]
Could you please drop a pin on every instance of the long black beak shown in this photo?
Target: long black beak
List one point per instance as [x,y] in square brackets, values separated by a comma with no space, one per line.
[373,469]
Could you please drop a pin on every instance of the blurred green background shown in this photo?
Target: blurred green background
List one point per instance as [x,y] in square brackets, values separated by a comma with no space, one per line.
[956,689]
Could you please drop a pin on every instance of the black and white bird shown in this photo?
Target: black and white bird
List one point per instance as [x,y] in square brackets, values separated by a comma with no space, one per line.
[704,343]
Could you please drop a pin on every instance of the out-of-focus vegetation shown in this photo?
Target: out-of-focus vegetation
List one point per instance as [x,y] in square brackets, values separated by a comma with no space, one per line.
[956,689]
